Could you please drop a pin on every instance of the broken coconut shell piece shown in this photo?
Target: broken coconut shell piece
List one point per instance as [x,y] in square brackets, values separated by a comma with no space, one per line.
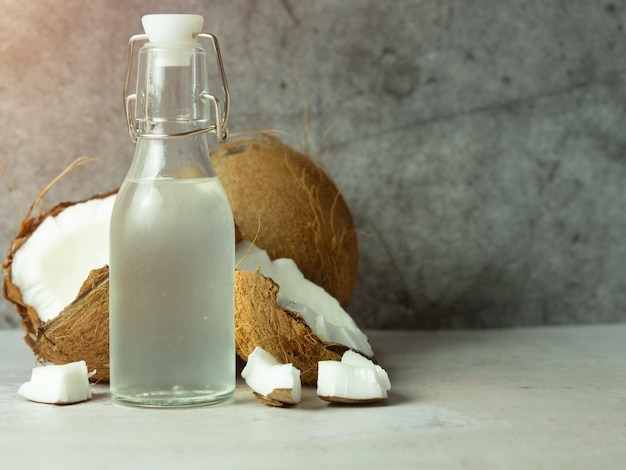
[58,384]
[81,330]
[273,383]
[322,312]
[354,380]
[260,321]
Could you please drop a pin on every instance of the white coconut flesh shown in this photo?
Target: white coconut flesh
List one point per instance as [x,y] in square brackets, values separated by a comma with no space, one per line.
[321,311]
[354,379]
[265,375]
[50,267]
[58,384]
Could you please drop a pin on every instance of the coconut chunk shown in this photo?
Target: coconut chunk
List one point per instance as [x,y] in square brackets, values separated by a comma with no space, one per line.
[321,311]
[355,379]
[274,383]
[58,384]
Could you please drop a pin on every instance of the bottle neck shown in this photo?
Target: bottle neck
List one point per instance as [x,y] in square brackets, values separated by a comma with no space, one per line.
[181,157]
[170,83]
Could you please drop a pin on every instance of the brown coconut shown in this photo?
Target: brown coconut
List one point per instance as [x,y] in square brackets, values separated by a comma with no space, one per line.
[289,207]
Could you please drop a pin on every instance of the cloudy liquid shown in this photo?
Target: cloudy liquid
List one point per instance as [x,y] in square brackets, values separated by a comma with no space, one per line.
[171,293]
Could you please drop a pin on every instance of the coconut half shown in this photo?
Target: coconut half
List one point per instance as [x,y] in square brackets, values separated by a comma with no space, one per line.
[52,255]
[43,260]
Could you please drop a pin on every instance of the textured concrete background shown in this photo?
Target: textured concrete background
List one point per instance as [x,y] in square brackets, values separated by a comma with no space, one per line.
[480,144]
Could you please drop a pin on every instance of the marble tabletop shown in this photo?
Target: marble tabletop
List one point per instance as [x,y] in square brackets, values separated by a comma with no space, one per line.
[549,397]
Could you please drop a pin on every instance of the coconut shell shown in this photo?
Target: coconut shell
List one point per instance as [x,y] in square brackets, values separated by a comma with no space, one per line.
[280,397]
[30,319]
[259,321]
[351,401]
[288,206]
[81,330]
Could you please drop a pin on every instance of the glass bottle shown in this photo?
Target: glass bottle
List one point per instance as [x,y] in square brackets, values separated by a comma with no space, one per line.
[171,282]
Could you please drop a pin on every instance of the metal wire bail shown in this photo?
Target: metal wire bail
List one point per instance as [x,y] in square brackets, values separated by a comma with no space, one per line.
[220,128]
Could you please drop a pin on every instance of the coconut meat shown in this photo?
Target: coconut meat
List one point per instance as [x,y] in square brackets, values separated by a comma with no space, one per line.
[321,311]
[265,375]
[58,384]
[355,379]
[55,260]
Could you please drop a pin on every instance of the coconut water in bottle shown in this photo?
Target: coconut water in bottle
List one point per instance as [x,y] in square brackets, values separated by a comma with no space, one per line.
[171,277]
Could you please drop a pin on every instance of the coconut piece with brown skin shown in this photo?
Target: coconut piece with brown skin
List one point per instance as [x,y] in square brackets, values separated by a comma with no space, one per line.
[284,202]
[272,383]
[354,380]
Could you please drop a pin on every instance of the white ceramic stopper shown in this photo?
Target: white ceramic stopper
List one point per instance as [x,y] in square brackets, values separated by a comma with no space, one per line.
[172,33]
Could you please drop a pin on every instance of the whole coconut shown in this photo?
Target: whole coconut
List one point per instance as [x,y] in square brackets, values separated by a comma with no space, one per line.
[288,206]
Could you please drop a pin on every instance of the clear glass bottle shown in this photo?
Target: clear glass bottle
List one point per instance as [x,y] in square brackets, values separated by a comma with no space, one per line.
[171,283]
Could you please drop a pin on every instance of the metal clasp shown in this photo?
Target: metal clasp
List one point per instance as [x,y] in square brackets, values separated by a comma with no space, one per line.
[220,128]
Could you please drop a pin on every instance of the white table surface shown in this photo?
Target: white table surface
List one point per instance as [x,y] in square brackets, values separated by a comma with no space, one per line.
[552,397]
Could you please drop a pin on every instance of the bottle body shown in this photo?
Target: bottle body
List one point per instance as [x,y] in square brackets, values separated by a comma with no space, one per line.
[171,264]
[171,281]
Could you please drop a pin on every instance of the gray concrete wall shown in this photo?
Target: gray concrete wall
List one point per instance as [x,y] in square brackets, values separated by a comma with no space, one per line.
[480,144]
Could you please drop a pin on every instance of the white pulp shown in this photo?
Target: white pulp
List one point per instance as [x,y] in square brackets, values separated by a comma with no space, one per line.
[355,378]
[53,263]
[58,384]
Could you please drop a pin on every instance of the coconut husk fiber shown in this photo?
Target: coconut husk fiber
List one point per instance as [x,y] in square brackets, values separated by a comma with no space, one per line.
[81,330]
